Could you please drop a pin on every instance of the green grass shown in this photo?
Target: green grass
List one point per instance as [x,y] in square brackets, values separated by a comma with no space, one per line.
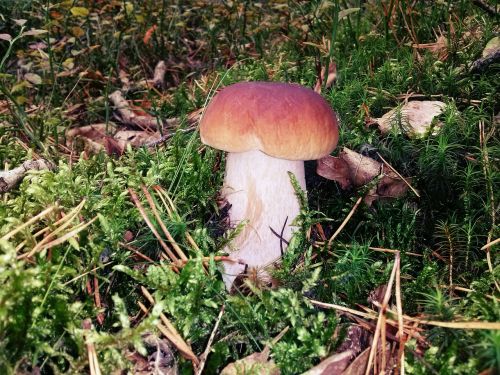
[43,303]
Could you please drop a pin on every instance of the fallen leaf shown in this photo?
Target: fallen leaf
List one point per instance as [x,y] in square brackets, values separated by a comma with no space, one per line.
[69,63]
[351,169]
[21,100]
[33,78]
[256,363]
[94,138]
[149,34]
[136,138]
[35,32]
[358,366]
[159,74]
[113,146]
[77,31]
[334,364]
[128,236]
[415,118]
[37,45]
[128,116]
[19,22]
[56,15]
[362,169]
[492,46]
[439,48]
[95,131]
[79,11]
[335,169]
[19,87]
[88,138]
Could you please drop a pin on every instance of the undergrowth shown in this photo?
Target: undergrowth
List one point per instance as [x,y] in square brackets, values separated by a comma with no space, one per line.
[77,50]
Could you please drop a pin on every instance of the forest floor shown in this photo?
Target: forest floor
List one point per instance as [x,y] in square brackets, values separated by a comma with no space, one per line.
[112,227]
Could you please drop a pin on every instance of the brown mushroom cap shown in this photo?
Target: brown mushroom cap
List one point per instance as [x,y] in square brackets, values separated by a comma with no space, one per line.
[286,121]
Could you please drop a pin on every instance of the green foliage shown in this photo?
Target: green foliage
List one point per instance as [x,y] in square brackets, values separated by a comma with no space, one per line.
[76,55]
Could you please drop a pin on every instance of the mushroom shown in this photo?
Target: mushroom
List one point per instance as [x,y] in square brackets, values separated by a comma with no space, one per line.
[268,129]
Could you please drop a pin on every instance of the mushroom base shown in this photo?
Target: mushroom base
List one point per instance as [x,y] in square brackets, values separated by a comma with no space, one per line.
[258,188]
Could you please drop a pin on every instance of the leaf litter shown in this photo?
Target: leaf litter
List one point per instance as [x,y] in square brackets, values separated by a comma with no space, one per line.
[415,119]
[353,170]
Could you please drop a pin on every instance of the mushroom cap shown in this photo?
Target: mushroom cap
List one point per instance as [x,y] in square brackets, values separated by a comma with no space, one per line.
[286,121]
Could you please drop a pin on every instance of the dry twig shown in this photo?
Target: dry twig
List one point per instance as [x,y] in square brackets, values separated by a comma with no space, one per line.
[205,354]
[487,176]
[9,179]
[152,205]
[171,332]
[380,319]
[399,308]
[346,220]
[371,315]
[29,222]
[92,354]
[139,206]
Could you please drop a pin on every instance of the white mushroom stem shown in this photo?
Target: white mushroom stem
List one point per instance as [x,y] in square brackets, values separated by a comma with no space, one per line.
[258,188]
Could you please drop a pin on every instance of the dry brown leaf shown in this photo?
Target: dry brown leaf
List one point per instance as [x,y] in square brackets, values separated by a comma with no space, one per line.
[128,116]
[136,138]
[75,111]
[358,366]
[439,48]
[391,186]
[351,169]
[362,169]
[95,132]
[94,138]
[335,169]
[334,364]
[416,118]
[113,146]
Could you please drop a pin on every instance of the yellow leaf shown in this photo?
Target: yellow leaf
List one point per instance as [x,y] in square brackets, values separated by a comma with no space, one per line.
[68,63]
[21,100]
[129,7]
[77,31]
[19,87]
[79,11]
[73,242]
